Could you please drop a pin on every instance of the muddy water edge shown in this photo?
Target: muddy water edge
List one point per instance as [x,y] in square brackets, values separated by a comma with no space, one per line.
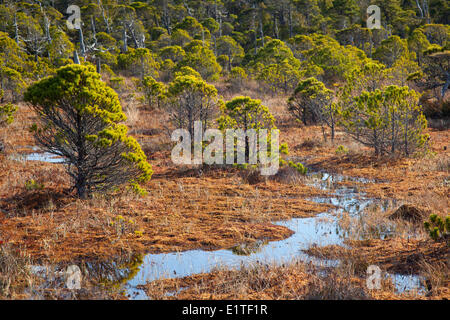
[127,275]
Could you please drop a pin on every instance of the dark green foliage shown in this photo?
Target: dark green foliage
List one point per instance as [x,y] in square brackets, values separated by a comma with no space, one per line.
[80,120]
[153,91]
[6,112]
[311,101]
[388,120]
[245,113]
[310,50]
[299,167]
[189,99]
[437,227]
[139,62]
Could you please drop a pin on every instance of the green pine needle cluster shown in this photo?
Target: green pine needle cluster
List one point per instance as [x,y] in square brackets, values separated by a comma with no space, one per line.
[437,227]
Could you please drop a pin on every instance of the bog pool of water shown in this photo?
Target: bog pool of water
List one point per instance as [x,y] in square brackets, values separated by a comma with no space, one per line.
[36,155]
[320,230]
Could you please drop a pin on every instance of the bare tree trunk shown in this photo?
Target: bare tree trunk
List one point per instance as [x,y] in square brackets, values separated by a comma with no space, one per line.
[16,29]
[426,10]
[133,36]
[47,29]
[420,8]
[445,86]
[189,10]
[99,66]
[275,27]
[35,48]
[332,124]
[290,21]
[94,32]
[166,17]
[261,29]
[81,186]
[82,47]
[215,10]
[76,59]
[124,39]
[105,18]
[254,28]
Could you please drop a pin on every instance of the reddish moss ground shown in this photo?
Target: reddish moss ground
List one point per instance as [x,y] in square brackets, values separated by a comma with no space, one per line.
[394,255]
[286,282]
[421,181]
[184,209]
[188,209]
[178,214]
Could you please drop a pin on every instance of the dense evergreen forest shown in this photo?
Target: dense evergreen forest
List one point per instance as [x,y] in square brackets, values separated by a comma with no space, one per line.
[276,43]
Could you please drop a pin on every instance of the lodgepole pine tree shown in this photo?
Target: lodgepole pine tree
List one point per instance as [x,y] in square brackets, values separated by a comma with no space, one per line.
[80,121]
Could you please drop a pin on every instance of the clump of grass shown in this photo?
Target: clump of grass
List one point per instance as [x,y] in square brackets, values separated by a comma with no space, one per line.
[15,273]
[442,164]
[288,175]
[250,174]
[336,284]
[374,223]
[309,144]
[132,113]
[259,281]
[292,280]
[436,275]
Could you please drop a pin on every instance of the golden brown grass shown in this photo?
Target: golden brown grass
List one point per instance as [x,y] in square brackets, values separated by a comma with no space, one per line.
[210,208]
[182,211]
[15,272]
[291,281]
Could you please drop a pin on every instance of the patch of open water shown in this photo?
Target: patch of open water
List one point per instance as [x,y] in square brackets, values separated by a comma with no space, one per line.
[37,155]
[321,230]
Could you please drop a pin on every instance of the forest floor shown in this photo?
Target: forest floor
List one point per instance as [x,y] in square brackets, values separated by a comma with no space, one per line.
[214,208]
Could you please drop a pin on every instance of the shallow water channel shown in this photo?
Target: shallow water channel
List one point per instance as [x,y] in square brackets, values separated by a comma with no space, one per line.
[322,229]
[36,155]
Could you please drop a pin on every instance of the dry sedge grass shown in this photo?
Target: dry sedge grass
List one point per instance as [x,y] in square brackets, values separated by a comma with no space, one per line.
[423,257]
[290,281]
[422,180]
[406,250]
[261,281]
[179,213]
[185,208]
[396,255]
[375,223]
[212,208]
[15,274]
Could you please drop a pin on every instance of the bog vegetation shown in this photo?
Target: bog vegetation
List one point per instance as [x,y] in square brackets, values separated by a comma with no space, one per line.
[212,61]
[378,85]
